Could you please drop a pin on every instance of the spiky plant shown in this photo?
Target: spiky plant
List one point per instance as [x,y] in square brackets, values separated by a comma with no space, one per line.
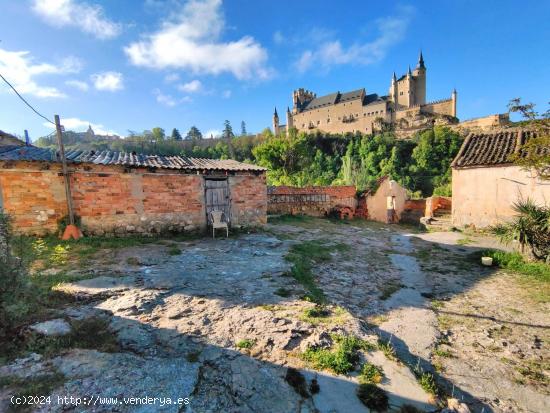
[530,227]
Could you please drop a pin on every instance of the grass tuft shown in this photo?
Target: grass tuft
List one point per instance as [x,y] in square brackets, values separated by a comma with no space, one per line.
[245,343]
[371,373]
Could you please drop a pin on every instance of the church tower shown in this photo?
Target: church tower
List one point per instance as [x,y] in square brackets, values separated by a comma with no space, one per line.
[419,75]
[275,122]
[289,121]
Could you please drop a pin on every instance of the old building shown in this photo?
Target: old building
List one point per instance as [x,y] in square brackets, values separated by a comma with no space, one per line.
[486,183]
[405,107]
[117,193]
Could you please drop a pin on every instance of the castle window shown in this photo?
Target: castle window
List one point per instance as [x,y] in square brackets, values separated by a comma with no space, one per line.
[401,93]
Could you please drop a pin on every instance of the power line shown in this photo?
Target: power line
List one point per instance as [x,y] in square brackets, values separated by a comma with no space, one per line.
[23,99]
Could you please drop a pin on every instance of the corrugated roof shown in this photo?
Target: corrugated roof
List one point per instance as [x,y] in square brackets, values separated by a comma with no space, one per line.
[30,153]
[488,149]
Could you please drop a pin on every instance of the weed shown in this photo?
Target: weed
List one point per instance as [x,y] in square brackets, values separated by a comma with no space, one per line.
[464,241]
[371,373]
[34,386]
[132,261]
[283,292]
[297,381]
[440,352]
[321,314]
[245,343]
[388,349]
[373,397]
[437,304]
[389,288]
[271,307]
[514,261]
[341,358]
[89,333]
[174,251]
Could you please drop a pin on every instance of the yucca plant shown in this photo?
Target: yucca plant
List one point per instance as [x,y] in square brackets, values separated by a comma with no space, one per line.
[530,227]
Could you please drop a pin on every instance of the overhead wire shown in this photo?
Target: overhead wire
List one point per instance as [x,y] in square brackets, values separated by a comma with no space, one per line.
[25,101]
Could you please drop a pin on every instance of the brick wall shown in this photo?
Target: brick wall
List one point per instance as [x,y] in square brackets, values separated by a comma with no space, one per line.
[248,199]
[110,200]
[312,200]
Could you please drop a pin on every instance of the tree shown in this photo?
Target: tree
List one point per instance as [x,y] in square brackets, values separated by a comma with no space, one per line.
[534,154]
[227,130]
[243,128]
[158,134]
[193,134]
[176,135]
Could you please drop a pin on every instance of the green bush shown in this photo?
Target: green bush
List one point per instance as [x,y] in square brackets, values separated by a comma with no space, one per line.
[371,373]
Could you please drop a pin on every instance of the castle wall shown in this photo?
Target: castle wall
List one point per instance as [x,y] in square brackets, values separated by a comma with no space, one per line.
[330,119]
[442,107]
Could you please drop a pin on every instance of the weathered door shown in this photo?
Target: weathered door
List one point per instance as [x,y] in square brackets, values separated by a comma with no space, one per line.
[217,197]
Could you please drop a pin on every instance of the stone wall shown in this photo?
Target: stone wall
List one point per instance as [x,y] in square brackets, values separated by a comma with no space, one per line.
[413,210]
[312,200]
[112,200]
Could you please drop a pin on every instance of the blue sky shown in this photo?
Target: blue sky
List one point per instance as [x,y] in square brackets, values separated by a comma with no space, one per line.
[133,65]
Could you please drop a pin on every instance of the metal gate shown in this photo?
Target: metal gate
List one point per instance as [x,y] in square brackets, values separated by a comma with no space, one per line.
[217,197]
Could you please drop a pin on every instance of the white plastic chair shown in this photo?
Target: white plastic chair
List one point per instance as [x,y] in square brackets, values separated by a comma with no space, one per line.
[217,219]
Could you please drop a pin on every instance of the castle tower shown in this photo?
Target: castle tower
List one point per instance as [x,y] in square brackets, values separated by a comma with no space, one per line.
[289,121]
[393,92]
[419,75]
[453,99]
[275,123]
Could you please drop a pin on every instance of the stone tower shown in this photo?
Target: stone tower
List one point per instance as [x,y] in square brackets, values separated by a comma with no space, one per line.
[289,120]
[275,122]
[419,75]
[453,100]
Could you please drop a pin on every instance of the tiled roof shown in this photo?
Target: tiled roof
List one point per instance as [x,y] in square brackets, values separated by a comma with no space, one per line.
[487,149]
[31,153]
[322,101]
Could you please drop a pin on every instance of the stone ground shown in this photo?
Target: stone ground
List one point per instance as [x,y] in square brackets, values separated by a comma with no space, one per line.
[178,319]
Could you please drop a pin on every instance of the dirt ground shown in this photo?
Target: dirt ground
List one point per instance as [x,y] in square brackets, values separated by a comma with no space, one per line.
[220,321]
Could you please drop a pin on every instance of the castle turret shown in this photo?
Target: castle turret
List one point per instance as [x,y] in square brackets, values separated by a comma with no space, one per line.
[289,121]
[419,75]
[275,122]
[453,99]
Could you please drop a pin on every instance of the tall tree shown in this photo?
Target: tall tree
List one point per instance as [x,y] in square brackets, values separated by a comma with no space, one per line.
[176,136]
[534,154]
[193,134]
[243,129]
[228,136]
[158,134]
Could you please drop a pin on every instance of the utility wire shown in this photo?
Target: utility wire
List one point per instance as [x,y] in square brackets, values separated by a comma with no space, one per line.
[23,99]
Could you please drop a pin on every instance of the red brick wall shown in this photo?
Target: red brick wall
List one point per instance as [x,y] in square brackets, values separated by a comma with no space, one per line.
[108,200]
[310,200]
[248,199]
[35,199]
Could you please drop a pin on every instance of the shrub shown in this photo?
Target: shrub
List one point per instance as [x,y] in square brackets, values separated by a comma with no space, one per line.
[373,397]
[371,373]
[246,343]
[530,227]
[515,262]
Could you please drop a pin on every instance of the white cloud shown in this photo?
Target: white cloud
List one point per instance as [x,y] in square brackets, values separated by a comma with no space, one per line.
[278,37]
[391,30]
[20,69]
[78,84]
[216,133]
[171,78]
[191,40]
[191,87]
[169,100]
[110,81]
[79,125]
[89,18]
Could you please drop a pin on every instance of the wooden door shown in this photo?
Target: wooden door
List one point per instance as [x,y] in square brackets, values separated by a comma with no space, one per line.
[217,197]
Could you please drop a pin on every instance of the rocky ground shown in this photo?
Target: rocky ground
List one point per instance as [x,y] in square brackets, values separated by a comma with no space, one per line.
[218,323]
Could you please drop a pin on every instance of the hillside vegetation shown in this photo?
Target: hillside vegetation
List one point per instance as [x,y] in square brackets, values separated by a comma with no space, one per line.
[421,164]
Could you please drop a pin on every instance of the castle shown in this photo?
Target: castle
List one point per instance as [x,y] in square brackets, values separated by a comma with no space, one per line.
[404,108]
